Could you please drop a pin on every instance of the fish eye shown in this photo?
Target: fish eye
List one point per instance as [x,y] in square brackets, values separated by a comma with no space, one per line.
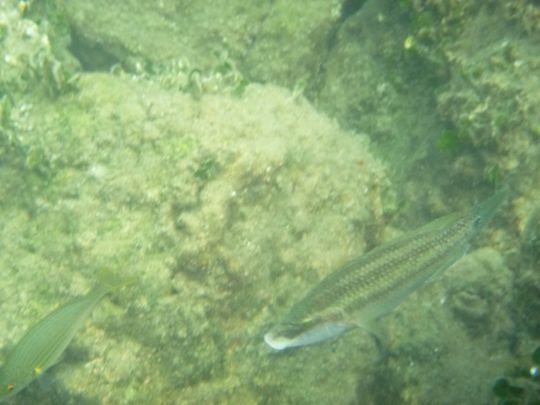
[477,222]
[291,330]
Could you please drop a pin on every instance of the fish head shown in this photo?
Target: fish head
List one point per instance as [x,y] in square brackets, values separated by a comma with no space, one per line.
[306,332]
[14,379]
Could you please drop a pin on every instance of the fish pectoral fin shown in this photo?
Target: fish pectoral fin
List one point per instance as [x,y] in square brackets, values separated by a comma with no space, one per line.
[371,327]
[368,322]
[378,333]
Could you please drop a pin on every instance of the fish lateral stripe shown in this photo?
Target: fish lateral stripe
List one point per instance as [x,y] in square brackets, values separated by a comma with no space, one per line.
[371,285]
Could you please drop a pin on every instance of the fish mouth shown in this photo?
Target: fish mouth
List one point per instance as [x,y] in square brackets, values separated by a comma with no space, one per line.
[276,341]
[287,336]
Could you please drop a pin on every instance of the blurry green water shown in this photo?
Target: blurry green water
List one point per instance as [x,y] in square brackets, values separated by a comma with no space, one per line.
[229,155]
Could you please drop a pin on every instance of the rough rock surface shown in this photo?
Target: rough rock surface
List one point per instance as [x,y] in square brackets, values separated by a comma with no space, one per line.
[223,208]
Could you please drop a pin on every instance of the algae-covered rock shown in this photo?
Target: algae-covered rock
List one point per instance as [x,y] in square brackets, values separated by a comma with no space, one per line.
[279,41]
[29,60]
[480,293]
[224,208]
[528,279]
[445,89]
[489,101]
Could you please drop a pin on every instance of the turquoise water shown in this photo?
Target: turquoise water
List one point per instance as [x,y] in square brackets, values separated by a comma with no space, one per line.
[227,156]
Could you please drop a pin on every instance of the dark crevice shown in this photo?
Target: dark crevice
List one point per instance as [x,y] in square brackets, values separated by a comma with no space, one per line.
[348,9]
[92,56]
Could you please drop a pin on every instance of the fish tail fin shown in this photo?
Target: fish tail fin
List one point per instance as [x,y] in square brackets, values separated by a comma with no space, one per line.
[484,211]
[110,281]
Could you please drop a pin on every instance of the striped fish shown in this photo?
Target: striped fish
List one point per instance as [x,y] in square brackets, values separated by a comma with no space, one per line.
[371,285]
[43,344]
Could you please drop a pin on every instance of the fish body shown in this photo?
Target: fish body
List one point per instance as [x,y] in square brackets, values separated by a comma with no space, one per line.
[43,344]
[371,285]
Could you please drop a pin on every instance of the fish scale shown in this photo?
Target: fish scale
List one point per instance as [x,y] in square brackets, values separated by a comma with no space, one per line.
[373,284]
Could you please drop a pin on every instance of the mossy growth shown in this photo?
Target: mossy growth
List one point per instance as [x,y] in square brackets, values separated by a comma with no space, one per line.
[208,168]
[448,141]
[493,174]
[523,387]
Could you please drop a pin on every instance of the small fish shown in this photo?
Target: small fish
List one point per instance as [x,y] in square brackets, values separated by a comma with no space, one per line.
[43,344]
[371,285]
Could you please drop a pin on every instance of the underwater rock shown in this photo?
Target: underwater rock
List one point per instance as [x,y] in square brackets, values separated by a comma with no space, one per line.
[479,294]
[278,42]
[222,206]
